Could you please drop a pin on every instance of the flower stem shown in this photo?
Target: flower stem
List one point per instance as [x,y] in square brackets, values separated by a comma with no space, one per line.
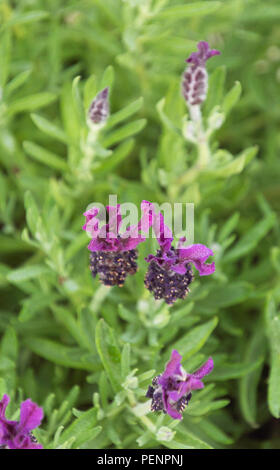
[202,141]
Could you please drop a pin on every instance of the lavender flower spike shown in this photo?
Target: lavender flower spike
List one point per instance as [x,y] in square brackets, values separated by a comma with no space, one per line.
[17,434]
[113,255]
[195,77]
[171,391]
[170,274]
[99,109]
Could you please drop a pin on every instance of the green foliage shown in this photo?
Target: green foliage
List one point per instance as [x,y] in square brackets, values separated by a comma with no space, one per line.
[87,353]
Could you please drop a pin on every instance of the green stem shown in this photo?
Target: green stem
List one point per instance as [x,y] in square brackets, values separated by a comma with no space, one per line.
[202,140]
[144,419]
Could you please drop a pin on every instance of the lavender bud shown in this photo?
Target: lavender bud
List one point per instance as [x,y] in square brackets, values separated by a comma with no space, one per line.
[99,109]
[195,77]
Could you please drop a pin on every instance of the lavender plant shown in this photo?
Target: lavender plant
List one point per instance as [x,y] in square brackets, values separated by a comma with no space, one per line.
[92,105]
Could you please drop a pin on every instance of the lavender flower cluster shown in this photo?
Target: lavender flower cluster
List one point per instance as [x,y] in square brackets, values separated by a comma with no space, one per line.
[113,257]
[113,254]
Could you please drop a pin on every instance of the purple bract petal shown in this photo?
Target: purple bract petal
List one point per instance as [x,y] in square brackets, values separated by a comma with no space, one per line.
[31,415]
[115,218]
[204,53]
[108,237]
[205,369]
[92,223]
[197,254]
[17,435]
[173,366]
[3,405]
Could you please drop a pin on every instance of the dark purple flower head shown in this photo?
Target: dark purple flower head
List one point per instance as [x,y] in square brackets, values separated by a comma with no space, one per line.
[17,434]
[172,390]
[99,108]
[113,255]
[170,274]
[195,77]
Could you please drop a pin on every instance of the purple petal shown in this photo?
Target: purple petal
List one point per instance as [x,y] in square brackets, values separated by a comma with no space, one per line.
[115,218]
[197,254]
[184,389]
[150,218]
[143,225]
[131,243]
[147,216]
[179,268]
[173,366]
[31,415]
[110,243]
[205,369]
[194,383]
[3,405]
[91,225]
[172,412]
[204,53]
[163,233]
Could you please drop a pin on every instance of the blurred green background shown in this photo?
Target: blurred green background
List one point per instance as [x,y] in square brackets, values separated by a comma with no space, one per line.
[50,305]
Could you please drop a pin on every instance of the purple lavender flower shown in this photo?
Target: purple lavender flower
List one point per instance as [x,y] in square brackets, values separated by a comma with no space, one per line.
[171,391]
[17,434]
[195,77]
[170,274]
[113,255]
[99,108]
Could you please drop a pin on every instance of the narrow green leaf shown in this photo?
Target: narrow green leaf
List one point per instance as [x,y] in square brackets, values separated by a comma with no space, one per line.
[124,132]
[231,98]
[228,227]
[89,91]
[251,239]
[124,113]
[189,10]
[185,439]
[73,357]
[17,82]
[77,100]
[31,102]
[225,295]
[74,328]
[26,18]
[125,360]
[5,55]
[108,78]
[215,433]
[45,156]
[234,371]
[27,272]
[216,89]
[193,341]
[119,154]
[109,353]
[235,166]
[273,335]
[32,212]
[248,384]
[9,344]
[49,128]
[82,429]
